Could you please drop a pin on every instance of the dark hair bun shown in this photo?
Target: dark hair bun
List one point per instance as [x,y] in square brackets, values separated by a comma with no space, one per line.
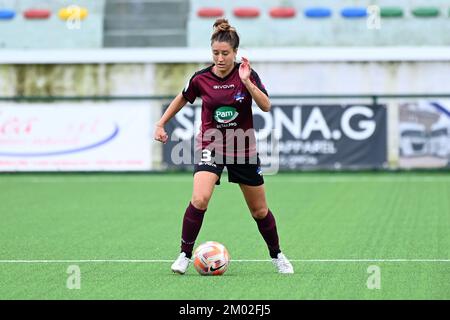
[221,25]
[223,32]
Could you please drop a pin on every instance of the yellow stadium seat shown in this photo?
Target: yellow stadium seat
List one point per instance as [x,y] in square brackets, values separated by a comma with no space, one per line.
[73,12]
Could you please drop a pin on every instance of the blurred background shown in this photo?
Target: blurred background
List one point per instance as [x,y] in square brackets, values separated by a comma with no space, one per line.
[355,84]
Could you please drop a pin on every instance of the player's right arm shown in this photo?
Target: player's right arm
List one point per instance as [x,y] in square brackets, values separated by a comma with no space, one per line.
[175,106]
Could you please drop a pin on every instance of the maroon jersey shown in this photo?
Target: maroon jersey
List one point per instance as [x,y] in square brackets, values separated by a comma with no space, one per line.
[226,111]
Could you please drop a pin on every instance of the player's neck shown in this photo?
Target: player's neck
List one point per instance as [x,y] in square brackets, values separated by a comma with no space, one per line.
[222,74]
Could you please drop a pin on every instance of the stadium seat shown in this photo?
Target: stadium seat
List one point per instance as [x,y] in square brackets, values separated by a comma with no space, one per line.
[425,12]
[246,12]
[317,12]
[38,24]
[391,12]
[282,12]
[354,12]
[210,12]
[34,14]
[66,13]
[6,14]
[326,22]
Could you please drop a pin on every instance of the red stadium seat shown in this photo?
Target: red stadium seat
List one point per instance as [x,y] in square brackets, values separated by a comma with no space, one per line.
[246,12]
[37,14]
[282,12]
[210,12]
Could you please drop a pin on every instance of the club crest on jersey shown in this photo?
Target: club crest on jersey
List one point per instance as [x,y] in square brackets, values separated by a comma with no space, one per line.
[239,97]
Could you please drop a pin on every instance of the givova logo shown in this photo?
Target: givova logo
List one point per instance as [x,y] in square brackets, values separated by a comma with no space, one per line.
[225,114]
[224,86]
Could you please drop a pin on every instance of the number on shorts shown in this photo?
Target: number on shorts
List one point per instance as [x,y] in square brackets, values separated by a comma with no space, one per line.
[206,155]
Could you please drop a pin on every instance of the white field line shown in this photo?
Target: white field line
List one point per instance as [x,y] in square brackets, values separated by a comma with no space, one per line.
[269,179]
[237,260]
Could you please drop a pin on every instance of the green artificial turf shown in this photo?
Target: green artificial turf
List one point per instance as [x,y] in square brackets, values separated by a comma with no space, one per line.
[123,231]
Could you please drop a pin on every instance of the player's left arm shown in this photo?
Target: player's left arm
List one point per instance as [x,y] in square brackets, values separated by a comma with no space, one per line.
[260,97]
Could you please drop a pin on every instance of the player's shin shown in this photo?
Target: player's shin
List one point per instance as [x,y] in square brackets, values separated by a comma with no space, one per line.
[268,229]
[192,223]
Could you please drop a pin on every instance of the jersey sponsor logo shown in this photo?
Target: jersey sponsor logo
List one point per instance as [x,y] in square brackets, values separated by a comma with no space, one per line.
[223,87]
[225,114]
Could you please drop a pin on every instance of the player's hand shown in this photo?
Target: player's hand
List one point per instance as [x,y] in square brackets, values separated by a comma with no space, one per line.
[244,70]
[160,134]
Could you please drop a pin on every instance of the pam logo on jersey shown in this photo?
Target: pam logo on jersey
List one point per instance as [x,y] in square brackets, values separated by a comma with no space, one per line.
[225,114]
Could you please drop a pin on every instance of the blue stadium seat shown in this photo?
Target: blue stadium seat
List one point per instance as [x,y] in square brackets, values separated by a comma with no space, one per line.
[317,12]
[6,14]
[354,12]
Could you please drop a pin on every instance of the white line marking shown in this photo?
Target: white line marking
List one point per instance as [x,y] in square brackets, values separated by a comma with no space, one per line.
[237,260]
[270,179]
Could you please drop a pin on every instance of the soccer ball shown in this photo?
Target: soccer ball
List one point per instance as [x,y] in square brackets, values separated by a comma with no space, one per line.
[211,259]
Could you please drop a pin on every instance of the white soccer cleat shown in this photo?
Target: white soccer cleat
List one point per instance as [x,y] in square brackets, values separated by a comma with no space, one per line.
[181,264]
[282,264]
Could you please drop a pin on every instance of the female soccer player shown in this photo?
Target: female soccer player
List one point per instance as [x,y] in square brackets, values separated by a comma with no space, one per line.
[227,89]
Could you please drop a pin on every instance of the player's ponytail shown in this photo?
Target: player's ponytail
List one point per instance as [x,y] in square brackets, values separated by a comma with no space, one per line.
[223,32]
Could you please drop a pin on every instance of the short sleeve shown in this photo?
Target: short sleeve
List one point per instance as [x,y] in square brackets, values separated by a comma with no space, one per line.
[257,81]
[190,91]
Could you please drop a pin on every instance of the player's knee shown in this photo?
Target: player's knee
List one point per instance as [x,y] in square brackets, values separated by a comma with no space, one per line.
[200,201]
[259,213]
